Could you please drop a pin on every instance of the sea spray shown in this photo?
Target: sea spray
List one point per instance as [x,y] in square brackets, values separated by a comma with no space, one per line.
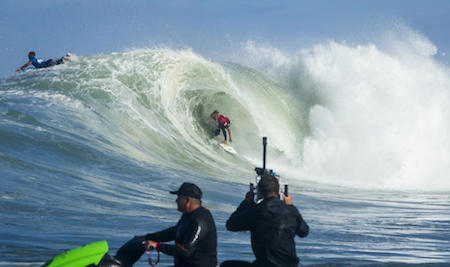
[376,116]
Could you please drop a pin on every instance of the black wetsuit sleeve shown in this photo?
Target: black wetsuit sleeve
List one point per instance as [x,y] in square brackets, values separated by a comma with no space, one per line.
[196,231]
[242,219]
[164,235]
[302,228]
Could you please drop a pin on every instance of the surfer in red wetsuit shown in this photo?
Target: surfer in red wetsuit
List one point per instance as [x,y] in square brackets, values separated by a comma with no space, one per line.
[223,123]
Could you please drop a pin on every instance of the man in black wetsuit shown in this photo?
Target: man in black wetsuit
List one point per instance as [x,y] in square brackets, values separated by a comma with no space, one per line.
[195,233]
[273,224]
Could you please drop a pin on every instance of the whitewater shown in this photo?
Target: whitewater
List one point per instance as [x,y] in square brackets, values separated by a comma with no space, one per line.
[90,149]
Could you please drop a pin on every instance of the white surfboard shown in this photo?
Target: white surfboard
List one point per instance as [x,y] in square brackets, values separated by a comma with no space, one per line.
[228,148]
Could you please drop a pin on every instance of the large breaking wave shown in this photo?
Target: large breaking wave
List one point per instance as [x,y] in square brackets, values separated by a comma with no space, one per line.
[358,116]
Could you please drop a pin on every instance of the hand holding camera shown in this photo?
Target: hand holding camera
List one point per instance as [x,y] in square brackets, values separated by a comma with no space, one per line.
[250,196]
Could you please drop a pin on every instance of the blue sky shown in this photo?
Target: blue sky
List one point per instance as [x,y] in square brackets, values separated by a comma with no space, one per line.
[211,28]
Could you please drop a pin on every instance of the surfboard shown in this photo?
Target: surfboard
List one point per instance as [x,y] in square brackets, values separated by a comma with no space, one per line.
[228,148]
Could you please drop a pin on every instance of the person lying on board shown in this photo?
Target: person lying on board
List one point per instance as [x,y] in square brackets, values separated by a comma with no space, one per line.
[39,63]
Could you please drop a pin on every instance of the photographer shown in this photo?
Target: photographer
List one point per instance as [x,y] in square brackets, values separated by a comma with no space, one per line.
[273,224]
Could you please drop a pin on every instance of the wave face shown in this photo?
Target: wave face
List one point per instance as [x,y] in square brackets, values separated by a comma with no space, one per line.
[91,147]
[154,106]
[352,116]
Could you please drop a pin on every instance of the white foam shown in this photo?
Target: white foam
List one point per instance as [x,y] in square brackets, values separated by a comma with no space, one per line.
[384,121]
[378,113]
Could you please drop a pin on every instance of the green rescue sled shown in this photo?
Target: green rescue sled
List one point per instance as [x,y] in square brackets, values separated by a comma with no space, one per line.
[82,256]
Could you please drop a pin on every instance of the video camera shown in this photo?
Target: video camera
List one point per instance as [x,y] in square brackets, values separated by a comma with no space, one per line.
[262,171]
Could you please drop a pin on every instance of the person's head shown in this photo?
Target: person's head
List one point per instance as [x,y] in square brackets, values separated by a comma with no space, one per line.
[268,186]
[31,54]
[215,115]
[189,197]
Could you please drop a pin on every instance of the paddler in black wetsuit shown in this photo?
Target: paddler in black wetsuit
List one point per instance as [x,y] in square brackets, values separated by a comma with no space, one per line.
[195,233]
[273,225]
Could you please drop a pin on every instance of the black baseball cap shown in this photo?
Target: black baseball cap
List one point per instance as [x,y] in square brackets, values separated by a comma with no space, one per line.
[188,190]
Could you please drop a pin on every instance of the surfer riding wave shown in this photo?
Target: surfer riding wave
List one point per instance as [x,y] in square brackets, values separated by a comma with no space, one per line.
[223,123]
